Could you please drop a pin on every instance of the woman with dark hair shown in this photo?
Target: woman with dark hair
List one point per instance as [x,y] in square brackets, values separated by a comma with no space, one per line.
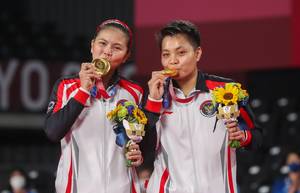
[91,159]
[193,154]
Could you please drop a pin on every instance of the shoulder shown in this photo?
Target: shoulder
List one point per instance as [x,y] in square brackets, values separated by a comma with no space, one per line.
[213,81]
[69,79]
[66,81]
[126,83]
[133,88]
[216,78]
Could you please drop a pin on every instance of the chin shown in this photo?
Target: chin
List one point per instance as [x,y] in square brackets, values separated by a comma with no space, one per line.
[177,77]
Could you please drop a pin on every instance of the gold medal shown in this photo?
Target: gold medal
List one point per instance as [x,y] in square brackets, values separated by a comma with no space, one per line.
[169,72]
[102,66]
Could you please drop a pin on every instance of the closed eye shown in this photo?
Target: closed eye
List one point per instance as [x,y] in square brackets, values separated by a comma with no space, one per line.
[102,43]
[182,52]
[165,55]
[117,48]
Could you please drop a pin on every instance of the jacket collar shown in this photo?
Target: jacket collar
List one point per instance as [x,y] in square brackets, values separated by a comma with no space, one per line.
[114,80]
[200,83]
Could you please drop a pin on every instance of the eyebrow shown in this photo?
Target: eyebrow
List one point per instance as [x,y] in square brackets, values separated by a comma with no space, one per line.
[179,47]
[116,43]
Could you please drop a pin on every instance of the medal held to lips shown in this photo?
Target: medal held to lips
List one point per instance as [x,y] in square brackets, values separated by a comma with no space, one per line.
[166,96]
[169,72]
[102,66]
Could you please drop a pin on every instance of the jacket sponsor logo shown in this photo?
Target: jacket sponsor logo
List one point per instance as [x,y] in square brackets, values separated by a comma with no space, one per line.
[207,109]
[50,106]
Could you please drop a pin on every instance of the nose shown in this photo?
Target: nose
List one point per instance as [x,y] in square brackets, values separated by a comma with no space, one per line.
[173,60]
[107,52]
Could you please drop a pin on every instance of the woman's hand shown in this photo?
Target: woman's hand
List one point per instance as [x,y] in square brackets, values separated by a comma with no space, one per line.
[156,85]
[87,76]
[235,133]
[134,155]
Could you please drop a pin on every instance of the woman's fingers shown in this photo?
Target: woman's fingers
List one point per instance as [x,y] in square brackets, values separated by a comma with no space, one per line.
[237,135]
[87,76]
[134,155]
[133,147]
[155,85]
[138,162]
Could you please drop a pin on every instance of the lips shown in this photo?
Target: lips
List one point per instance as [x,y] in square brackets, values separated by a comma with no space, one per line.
[169,72]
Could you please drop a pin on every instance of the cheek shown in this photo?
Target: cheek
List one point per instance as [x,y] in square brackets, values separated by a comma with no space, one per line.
[115,64]
[164,63]
[186,68]
[117,60]
[96,51]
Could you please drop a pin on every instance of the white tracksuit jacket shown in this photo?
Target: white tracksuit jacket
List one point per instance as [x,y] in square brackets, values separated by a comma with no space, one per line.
[192,153]
[91,161]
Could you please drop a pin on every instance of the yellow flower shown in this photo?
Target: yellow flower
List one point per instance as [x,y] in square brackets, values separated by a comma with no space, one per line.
[227,95]
[112,115]
[243,94]
[140,116]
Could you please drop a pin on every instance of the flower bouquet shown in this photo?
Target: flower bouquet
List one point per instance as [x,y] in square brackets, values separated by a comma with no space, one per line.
[227,100]
[130,122]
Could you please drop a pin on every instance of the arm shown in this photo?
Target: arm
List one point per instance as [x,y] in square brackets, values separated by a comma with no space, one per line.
[253,131]
[152,103]
[148,143]
[60,120]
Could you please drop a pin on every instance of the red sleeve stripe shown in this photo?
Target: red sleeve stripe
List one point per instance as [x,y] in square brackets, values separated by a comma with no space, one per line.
[229,172]
[75,83]
[153,106]
[81,96]
[124,84]
[247,118]
[146,184]
[71,89]
[248,139]
[133,190]
[69,184]
[72,80]
[60,91]
[213,84]
[163,181]
[59,96]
